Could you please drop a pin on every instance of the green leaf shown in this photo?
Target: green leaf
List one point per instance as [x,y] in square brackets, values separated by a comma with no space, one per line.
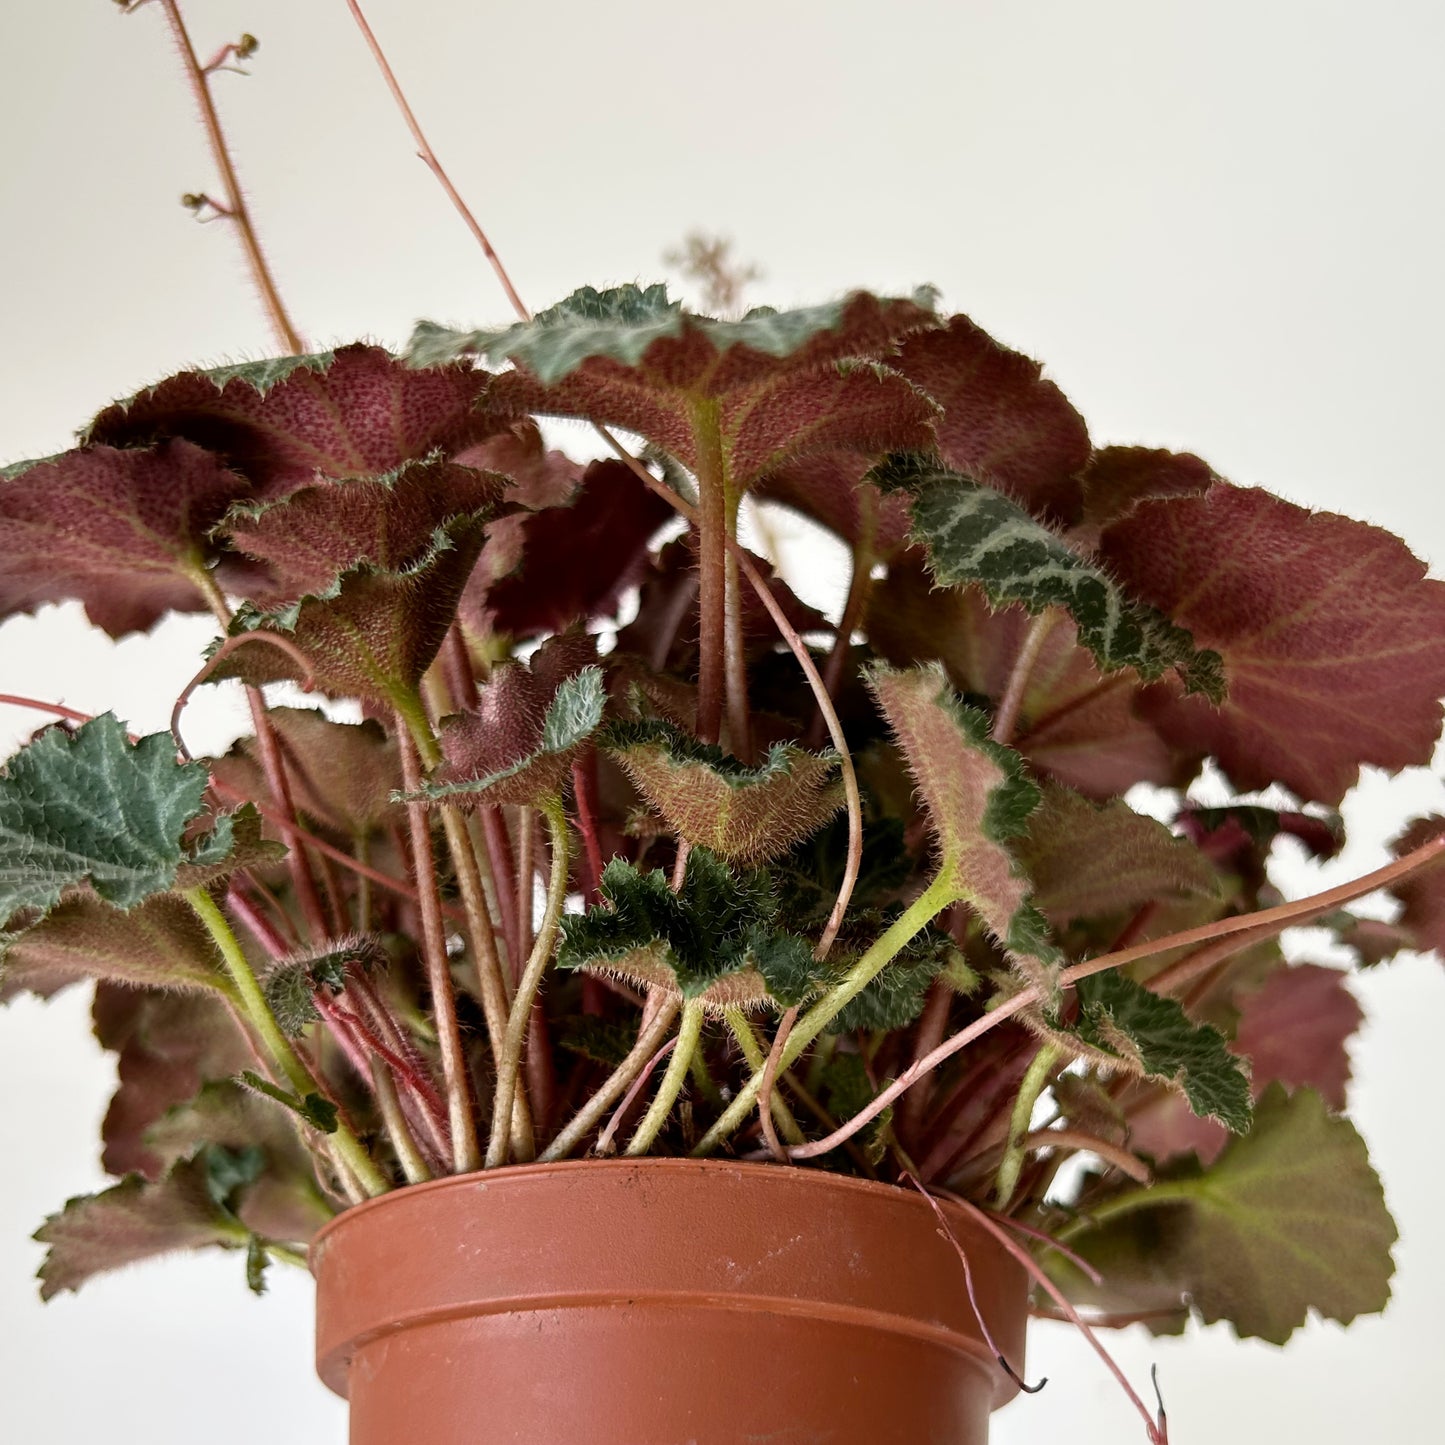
[262,375]
[1124,1020]
[977,799]
[747,814]
[289,992]
[91,807]
[235,842]
[575,711]
[809,877]
[714,939]
[620,323]
[228,1171]
[136,1220]
[1290,1219]
[975,534]
[291,982]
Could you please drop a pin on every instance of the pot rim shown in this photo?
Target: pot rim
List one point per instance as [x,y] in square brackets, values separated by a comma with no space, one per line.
[846,1183]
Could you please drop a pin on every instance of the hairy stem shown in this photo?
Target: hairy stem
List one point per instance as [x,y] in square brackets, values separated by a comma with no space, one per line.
[770,1076]
[860,585]
[426,153]
[755,578]
[936,897]
[526,836]
[482,936]
[660,1110]
[649,1039]
[410,1157]
[753,1052]
[789,635]
[1141,1198]
[504,883]
[273,764]
[1005,720]
[1266,923]
[711,520]
[740,724]
[465,1153]
[1035,1081]
[259,1016]
[509,1060]
[286,333]
[584,790]
[354,865]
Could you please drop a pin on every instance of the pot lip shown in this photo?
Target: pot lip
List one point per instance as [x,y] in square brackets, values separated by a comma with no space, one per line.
[666,1164]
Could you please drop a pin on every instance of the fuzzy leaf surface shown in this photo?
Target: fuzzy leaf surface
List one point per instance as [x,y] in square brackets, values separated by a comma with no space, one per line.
[374,630]
[1096,861]
[808,879]
[357,411]
[1002,423]
[329,527]
[1117,479]
[284,1201]
[745,814]
[517,746]
[1071,726]
[91,807]
[714,939]
[1290,1219]
[782,383]
[1333,639]
[975,534]
[977,799]
[137,1220]
[894,998]
[342,775]
[1124,1020]
[120,531]
[159,943]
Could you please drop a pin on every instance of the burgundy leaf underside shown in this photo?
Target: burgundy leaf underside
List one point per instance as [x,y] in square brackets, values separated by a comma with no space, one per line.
[1332,637]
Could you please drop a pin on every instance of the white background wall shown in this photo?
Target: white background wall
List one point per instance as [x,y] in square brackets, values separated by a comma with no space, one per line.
[1220,225]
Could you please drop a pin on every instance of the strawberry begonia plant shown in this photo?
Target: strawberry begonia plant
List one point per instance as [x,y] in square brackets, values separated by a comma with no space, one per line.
[630,850]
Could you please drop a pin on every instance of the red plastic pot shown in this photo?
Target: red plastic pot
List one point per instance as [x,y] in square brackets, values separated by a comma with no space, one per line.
[662,1302]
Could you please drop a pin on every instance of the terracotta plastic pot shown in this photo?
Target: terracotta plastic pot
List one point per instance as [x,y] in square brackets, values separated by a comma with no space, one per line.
[661,1302]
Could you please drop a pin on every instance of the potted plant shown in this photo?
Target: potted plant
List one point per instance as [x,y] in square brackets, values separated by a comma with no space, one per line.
[821,969]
